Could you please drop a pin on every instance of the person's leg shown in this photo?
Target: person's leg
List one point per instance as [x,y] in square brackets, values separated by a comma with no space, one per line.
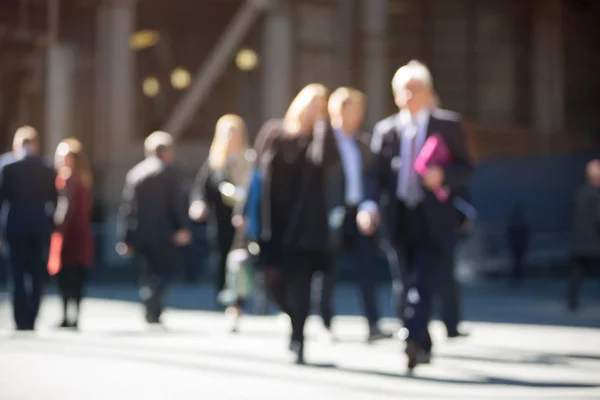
[37,261]
[64,283]
[367,280]
[14,251]
[574,286]
[299,281]
[275,286]
[164,264]
[448,288]
[79,283]
[224,242]
[326,295]
[418,310]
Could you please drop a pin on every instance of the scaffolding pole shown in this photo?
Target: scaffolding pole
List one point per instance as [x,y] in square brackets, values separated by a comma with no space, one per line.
[215,64]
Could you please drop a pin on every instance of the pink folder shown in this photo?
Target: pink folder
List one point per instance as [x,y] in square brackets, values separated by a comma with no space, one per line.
[434,152]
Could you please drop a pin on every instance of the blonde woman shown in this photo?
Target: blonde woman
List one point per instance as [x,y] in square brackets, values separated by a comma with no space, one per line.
[214,191]
[293,221]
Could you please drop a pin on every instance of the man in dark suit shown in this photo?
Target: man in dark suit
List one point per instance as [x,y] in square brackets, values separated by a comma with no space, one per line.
[28,197]
[346,190]
[586,233]
[421,228]
[153,221]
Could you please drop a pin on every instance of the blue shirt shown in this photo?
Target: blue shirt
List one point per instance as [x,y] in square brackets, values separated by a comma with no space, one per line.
[352,165]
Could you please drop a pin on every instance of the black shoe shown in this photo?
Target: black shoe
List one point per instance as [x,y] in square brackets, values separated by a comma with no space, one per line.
[424,357]
[377,334]
[297,348]
[64,324]
[413,350]
[152,318]
[457,334]
[25,328]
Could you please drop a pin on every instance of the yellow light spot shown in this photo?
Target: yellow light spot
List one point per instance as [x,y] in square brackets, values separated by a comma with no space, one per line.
[246,59]
[144,39]
[181,78]
[151,86]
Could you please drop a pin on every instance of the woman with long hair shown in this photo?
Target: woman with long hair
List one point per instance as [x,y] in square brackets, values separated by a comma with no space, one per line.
[293,221]
[217,185]
[72,247]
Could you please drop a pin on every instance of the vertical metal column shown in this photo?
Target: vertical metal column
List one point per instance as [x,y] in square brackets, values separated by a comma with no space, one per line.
[215,64]
[377,76]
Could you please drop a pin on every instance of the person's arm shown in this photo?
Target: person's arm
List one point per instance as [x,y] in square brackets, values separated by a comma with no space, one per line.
[458,173]
[198,191]
[177,202]
[199,195]
[126,211]
[374,171]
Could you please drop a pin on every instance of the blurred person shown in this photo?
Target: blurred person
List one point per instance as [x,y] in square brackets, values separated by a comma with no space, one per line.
[217,186]
[72,246]
[293,227]
[421,229]
[518,239]
[346,185]
[29,196]
[585,251]
[153,221]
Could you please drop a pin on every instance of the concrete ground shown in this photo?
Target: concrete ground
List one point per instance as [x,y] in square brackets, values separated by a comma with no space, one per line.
[523,345]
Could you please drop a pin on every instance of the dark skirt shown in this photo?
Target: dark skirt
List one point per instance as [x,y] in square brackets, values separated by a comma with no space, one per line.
[71,280]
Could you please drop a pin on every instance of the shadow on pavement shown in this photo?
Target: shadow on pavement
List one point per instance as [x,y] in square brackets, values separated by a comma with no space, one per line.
[120,352]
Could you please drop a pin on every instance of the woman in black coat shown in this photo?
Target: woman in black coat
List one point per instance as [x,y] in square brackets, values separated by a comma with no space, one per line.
[294,232]
[214,192]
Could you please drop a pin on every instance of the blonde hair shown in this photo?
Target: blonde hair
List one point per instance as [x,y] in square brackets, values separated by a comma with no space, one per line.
[343,96]
[291,121]
[23,135]
[413,71]
[81,166]
[220,148]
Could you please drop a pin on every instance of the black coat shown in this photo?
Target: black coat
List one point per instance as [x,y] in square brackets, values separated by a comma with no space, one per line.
[441,217]
[28,196]
[307,229]
[153,206]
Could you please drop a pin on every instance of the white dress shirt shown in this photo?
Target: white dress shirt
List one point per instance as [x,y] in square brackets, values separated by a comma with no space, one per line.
[410,125]
[352,165]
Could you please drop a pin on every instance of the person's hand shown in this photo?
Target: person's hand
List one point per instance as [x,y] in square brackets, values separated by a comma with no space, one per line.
[123,249]
[238,222]
[367,222]
[198,211]
[182,237]
[433,178]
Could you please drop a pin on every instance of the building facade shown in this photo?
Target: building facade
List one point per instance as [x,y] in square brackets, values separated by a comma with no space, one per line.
[522,72]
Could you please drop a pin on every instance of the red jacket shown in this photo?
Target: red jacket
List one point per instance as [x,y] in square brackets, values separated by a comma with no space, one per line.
[73,241]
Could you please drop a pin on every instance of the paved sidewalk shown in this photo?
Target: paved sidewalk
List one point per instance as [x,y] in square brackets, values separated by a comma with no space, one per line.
[539,351]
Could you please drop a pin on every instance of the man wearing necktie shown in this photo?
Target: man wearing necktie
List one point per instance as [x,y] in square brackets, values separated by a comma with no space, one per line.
[421,229]
[346,191]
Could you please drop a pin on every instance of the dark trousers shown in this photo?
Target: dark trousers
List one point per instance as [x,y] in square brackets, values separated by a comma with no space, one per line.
[447,286]
[422,270]
[580,266]
[290,287]
[71,280]
[225,236]
[518,255]
[157,272]
[27,257]
[417,260]
[363,250]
